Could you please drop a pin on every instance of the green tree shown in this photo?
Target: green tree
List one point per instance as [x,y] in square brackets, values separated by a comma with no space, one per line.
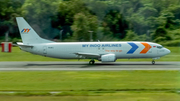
[65,16]
[39,13]
[108,19]
[161,35]
[82,26]
[116,23]
[9,9]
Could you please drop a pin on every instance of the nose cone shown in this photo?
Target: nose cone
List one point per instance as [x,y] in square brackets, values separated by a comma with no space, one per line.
[167,51]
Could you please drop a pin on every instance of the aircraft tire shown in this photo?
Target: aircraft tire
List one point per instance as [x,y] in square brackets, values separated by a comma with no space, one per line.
[91,62]
[153,62]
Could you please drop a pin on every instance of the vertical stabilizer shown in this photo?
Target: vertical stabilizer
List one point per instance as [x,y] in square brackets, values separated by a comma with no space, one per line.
[28,35]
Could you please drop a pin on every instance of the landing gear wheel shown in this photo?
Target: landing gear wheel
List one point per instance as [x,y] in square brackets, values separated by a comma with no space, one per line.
[91,62]
[153,62]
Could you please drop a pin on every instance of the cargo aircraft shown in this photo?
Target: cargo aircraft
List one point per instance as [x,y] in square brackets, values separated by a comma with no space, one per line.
[102,51]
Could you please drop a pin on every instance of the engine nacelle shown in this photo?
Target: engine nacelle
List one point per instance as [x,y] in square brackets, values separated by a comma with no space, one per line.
[108,58]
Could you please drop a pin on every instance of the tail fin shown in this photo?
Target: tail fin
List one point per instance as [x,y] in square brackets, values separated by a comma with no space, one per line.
[28,35]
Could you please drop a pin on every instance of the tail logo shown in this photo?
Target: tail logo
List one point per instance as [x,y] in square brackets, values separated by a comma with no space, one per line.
[25,30]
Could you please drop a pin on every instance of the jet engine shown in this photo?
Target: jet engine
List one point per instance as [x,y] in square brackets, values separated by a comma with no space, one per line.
[108,58]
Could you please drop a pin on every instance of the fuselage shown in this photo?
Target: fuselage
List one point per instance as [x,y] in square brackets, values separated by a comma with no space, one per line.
[67,50]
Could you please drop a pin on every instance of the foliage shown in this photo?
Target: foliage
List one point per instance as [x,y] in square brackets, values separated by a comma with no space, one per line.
[171,43]
[84,26]
[143,20]
[39,13]
[131,36]
[9,9]
[116,24]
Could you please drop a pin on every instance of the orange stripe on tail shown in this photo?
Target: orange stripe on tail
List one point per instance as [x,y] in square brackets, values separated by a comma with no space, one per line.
[146,49]
[25,30]
[28,30]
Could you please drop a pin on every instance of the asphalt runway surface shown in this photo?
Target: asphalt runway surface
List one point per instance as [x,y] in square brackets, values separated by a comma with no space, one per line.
[84,66]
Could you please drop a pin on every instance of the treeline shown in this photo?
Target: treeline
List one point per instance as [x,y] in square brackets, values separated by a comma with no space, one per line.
[104,20]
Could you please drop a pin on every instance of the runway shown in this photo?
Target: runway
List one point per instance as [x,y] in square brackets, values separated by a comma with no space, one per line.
[84,66]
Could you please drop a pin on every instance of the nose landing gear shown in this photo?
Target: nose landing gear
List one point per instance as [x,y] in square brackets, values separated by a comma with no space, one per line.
[91,62]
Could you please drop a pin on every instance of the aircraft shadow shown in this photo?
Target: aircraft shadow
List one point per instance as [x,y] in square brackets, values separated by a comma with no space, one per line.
[86,65]
[121,65]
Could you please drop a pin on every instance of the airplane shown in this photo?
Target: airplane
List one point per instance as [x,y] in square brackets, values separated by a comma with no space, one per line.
[102,51]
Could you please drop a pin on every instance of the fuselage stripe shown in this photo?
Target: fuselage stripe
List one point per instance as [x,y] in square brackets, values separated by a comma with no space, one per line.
[133,49]
[146,49]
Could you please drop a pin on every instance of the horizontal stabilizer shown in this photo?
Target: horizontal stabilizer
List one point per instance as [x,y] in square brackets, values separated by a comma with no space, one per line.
[21,44]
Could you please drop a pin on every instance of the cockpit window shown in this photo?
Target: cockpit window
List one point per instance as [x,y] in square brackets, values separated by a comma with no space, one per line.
[159,47]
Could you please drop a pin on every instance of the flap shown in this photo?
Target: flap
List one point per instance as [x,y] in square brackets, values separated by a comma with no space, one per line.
[88,54]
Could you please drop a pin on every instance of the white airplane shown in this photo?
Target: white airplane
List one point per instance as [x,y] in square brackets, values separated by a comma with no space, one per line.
[102,51]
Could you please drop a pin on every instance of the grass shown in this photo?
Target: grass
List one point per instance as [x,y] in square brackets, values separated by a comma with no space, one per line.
[106,97]
[18,55]
[88,80]
[90,85]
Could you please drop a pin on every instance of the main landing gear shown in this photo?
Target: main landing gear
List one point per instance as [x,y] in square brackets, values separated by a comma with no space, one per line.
[91,62]
[153,62]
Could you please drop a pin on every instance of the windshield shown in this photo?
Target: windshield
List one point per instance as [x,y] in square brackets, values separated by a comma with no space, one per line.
[159,47]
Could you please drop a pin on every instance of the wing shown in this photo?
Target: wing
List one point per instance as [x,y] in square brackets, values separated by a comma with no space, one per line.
[88,55]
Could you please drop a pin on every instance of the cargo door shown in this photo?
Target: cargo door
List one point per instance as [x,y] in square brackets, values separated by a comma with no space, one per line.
[44,50]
